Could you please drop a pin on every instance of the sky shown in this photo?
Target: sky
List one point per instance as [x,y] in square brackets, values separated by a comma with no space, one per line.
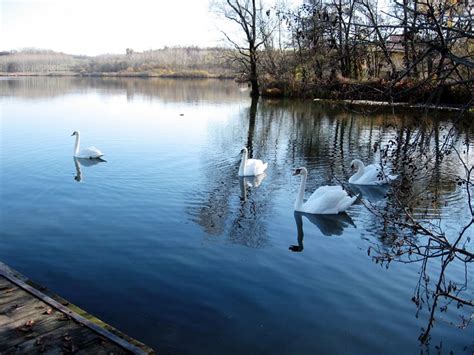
[93,27]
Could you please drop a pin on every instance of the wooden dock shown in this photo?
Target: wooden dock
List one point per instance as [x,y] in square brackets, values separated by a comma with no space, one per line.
[35,321]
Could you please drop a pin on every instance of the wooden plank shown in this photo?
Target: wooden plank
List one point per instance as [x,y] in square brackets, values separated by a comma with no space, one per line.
[24,308]
[3,283]
[69,338]
[25,326]
[17,298]
[10,294]
[18,332]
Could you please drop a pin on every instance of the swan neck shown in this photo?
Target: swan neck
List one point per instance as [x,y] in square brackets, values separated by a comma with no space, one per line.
[242,163]
[360,170]
[300,197]
[77,144]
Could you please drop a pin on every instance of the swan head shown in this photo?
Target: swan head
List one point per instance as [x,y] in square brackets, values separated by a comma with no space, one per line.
[356,164]
[75,133]
[300,171]
[244,150]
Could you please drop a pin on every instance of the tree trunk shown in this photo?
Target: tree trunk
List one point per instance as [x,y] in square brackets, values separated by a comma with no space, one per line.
[255,92]
[406,56]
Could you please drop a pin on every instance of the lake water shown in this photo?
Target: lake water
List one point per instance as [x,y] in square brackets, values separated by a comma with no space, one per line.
[162,241]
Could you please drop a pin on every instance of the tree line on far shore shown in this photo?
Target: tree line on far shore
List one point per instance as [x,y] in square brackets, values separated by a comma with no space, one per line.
[167,62]
[403,50]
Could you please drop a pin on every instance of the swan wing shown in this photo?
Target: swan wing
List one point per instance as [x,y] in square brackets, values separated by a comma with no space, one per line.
[90,153]
[380,176]
[345,203]
[372,175]
[323,190]
[255,167]
[328,200]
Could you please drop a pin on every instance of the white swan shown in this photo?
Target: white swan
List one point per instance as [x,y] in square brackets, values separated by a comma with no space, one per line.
[89,153]
[325,200]
[372,174]
[251,167]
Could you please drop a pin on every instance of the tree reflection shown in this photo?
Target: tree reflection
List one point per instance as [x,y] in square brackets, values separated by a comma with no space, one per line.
[410,221]
[414,218]
[247,226]
[167,90]
[225,211]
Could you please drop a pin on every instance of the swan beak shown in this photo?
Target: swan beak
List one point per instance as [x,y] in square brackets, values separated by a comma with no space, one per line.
[73,134]
[296,172]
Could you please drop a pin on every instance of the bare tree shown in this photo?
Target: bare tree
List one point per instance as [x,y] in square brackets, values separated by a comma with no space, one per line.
[248,17]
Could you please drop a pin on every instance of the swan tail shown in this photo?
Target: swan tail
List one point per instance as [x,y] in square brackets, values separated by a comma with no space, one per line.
[347,202]
[260,169]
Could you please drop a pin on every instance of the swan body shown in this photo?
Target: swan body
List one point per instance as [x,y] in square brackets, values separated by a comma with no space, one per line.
[372,174]
[86,153]
[325,200]
[251,167]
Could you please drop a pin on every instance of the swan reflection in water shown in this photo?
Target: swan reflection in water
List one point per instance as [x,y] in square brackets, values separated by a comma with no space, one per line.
[373,193]
[86,162]
[249,181]
[329,224]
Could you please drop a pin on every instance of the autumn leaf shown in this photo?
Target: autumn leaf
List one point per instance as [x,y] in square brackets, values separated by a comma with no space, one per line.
[48,311]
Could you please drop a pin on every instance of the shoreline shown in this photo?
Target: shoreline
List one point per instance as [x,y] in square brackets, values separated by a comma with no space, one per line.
[387,104]
[266,93]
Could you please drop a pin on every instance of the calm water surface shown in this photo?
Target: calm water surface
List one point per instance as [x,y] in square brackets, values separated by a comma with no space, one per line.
[164,242]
